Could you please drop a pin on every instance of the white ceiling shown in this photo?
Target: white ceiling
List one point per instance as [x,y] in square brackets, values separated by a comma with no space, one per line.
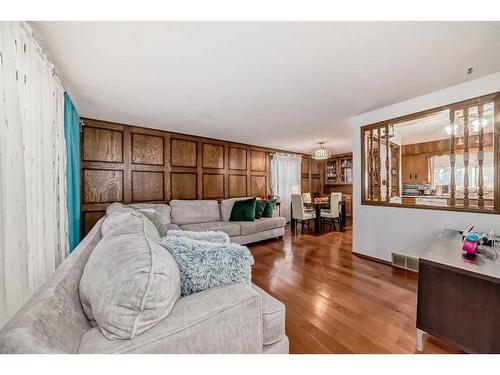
[279,84]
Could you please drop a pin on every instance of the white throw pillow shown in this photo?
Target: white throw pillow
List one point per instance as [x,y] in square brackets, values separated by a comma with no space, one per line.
[130,283]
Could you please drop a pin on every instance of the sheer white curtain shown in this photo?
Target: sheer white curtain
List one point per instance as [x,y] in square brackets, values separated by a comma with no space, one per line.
[33,217]
[285,179]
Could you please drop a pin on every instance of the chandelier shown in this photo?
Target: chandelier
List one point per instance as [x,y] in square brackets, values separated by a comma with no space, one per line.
[321,153]
[452,128]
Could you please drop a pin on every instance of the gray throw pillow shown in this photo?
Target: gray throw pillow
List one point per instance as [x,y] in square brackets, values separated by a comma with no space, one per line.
[154,217]
[130,283]
[204,265]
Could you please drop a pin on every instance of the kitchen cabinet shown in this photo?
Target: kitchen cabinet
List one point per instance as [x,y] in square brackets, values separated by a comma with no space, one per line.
[339,170]
[415,168]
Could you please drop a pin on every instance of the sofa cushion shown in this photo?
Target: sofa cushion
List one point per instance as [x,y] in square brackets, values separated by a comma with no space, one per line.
[243,210]
[162,209]
[172,227]
[226,206]
[231,229]
[130,283]
[192,212]
[273,317]
[204,265]
[262,224]
[209,236]
[220,320]
[260,205]
[269,208]
[155,218]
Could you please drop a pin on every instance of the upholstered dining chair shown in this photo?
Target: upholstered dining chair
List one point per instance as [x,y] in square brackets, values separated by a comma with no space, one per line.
[306,198]
[299,215]
[333,213]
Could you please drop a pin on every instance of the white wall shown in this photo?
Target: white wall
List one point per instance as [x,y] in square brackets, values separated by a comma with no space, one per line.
[378,231]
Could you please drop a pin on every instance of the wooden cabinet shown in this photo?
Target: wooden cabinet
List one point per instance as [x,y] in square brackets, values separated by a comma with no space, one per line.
[338,170]
[415,168]
[458,298]
[459,308]
[348,204]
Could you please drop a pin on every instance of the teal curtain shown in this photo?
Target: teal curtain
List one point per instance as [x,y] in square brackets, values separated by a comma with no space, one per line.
[72,135]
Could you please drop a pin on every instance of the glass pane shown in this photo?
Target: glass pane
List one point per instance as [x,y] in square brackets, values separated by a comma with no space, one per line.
[419,168]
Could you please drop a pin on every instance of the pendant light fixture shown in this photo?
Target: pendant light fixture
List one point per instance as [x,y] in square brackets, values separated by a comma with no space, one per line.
[452,128]
[321,153]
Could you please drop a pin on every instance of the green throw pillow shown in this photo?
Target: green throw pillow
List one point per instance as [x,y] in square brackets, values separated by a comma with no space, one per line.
[243,210]
[260,205]
[155,218]
[268,210]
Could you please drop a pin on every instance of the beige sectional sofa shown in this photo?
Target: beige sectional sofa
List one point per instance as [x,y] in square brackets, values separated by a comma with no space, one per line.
[210,215]
[237,318]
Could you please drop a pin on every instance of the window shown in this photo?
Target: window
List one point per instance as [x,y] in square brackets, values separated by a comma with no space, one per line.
[443,158]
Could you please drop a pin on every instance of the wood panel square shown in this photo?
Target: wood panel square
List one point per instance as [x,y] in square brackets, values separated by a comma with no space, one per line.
[237,185]
[147,186]
[147,149]
[102,186]
[258,161]
[183,153]
[213,186]
[304,166]
[315,185]
[258,185]
[213,156]
[237,158]
[183,185]
[315,166]
[304,185]
[102,145]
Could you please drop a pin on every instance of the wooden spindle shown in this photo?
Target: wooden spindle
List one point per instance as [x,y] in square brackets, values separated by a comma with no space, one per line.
[370,167]
[379,167]
[466,157]
[452,158]
[387,172]
[480,159]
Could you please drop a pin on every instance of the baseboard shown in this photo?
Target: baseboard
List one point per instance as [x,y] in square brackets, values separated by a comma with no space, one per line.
[373,258]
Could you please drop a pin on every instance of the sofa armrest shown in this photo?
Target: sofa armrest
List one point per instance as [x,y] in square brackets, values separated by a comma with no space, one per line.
[225,319]
[53,321]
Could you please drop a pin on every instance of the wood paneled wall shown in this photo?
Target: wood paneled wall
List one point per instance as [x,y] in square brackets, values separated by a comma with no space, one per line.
[122,163]
[312,175]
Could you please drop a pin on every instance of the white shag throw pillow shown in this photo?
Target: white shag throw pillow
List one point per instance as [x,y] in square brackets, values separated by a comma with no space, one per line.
[130,283]
[210,236]
[204,265]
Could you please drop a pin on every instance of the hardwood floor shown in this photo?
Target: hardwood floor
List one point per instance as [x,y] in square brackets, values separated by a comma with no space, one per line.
[337,302]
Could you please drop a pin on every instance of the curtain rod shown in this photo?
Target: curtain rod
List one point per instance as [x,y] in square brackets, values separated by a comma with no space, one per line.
[285,154]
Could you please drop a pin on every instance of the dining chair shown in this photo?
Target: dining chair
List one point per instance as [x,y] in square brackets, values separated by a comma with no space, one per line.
[333,213]
[299,214]
[307,199]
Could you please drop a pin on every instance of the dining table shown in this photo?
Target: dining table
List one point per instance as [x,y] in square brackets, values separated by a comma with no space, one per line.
[318,206]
